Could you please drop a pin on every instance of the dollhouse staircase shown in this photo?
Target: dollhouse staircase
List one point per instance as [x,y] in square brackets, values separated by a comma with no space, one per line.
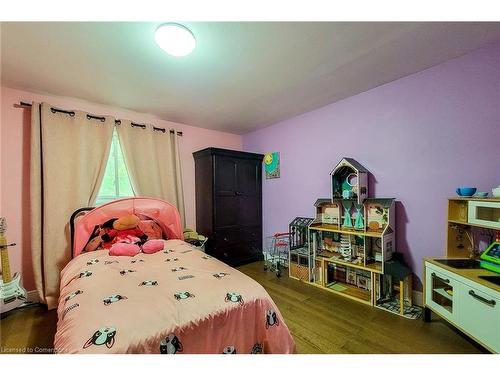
[345,245]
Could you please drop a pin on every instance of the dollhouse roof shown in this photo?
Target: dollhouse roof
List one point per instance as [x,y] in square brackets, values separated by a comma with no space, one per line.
[396,269]
[321,201]
[352,163]
[385,202]
[388,230]
[301,221]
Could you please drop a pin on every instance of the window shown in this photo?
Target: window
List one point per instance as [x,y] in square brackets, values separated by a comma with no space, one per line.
[116,183]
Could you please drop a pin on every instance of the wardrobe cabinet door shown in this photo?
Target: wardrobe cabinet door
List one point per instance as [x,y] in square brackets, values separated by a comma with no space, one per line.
[247,178]
[226,199]
[227,213]
[225,175]
[249,192]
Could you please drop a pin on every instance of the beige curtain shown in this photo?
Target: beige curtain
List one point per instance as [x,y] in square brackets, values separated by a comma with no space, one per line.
[69,152]
[153,164]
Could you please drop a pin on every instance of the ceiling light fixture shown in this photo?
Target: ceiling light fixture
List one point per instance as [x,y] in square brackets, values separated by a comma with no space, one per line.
[175,39]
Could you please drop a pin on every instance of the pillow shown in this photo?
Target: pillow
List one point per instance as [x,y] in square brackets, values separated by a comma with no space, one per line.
[152,246]
[124,249]
[151,229]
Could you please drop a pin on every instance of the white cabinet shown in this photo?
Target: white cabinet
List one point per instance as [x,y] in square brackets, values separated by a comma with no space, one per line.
[441,293]
[480,316]
[472,307]
[484,213]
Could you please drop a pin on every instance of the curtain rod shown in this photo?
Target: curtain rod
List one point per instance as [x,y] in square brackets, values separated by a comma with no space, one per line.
[117,122]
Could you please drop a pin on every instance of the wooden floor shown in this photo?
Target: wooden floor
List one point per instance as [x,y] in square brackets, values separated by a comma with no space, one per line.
[320,322]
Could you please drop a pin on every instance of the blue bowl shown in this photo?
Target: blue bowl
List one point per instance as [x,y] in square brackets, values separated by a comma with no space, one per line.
[466,191]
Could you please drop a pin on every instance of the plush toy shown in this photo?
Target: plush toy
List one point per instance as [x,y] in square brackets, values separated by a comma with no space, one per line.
[124,237]
[152,246]
[124,249]
[124,231]
[102,234]
[129,239]
[95,240]
[192,237]
[151,229]
[126,222]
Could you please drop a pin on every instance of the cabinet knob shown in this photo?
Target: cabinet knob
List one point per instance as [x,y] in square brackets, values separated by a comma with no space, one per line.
[238,193]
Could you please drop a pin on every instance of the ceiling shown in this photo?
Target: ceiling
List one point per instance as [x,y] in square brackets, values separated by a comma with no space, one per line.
[241,76]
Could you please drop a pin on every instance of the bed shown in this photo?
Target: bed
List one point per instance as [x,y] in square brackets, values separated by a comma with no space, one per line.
[176,301]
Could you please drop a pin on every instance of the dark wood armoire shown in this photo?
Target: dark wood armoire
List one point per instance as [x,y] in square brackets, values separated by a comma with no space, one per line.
[229,204]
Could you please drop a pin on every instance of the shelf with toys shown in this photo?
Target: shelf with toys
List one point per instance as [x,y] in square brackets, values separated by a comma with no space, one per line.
[350,241]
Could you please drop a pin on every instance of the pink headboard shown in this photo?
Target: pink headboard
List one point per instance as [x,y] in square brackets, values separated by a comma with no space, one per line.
[164,213]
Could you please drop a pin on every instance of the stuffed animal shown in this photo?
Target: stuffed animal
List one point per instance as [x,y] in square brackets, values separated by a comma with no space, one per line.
[192,237]
[124,249]
[152,246]
[95,239]
[126,222]
[124,231]
[151,229]
[123,237]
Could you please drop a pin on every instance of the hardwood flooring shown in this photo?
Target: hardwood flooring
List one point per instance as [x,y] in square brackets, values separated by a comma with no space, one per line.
[320,322]
[29,329]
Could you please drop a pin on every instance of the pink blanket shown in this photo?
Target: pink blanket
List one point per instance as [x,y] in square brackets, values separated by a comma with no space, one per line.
[174,301]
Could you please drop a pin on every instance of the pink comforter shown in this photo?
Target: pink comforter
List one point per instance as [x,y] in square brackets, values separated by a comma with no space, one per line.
[175,301]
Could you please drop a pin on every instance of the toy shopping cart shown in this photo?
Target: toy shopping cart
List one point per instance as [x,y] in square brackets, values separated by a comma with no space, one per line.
[276,252]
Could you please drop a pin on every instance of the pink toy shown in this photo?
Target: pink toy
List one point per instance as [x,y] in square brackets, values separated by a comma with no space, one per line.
[163,213]
[151,229]
[130,248]
[152,246]
[124,249]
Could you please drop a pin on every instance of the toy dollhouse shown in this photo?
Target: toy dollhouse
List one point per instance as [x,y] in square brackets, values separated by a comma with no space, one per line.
[349,180]
[350,240]
[299,257]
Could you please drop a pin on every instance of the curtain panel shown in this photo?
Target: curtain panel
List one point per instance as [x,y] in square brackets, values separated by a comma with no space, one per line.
[153,163]
[69,151]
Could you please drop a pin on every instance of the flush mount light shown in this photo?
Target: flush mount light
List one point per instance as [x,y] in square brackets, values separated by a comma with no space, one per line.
[175,39]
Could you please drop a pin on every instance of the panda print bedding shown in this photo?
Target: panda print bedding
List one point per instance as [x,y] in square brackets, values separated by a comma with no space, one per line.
[142,304]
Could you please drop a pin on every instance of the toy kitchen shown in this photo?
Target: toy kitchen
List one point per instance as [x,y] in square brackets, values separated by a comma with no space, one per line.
[464,286]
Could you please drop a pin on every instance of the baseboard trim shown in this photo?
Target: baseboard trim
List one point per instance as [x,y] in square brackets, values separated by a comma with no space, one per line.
[32,296]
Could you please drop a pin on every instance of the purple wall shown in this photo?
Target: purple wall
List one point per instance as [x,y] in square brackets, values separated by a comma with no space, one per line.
[420,137]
